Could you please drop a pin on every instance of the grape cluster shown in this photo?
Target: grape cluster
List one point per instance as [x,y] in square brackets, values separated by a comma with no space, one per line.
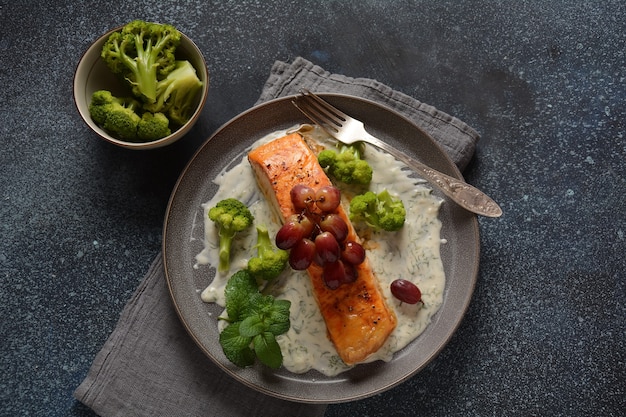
[317,234]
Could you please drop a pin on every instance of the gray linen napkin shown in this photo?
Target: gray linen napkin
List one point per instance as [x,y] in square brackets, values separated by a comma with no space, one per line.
[149,366]
[456,138]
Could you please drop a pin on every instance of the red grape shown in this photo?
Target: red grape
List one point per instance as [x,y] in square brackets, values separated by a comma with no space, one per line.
[305,222]
[336,225]
[351,273]
[353,253]
[328,198]
[327,247]
[338,273]
[296,227]
[302,196]
[301,255]
[334,274]
[289,234]
[406,291]
[317,259]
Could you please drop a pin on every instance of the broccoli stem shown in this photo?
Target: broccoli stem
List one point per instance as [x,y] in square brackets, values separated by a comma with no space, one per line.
[146,65]
[146,69]
[145,76]
[264,244]
[224,254]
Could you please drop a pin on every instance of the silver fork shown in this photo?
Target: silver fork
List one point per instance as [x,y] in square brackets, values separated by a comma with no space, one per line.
[349,130]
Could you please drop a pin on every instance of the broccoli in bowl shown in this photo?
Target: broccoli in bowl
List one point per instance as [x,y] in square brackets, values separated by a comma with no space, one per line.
[162,78]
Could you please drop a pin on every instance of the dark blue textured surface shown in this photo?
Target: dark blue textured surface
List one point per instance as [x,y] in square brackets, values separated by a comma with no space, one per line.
[544,82]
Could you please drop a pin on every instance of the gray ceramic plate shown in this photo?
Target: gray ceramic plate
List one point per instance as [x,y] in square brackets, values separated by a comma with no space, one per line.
[183,239]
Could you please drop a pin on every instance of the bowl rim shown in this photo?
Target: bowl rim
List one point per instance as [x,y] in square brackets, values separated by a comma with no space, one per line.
[84,68]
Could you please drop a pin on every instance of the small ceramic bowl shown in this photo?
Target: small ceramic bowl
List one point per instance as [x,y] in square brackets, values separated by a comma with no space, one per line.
[92,74]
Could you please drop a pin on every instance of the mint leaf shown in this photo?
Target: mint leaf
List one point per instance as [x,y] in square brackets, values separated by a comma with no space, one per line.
[236,347]
[255,321]
[252,326]
[280,310]
[268,350]
[258,304]
[279,327]
[237,292]
[278,319]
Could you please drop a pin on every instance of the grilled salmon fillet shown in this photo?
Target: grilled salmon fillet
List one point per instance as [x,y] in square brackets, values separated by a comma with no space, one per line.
[356,315]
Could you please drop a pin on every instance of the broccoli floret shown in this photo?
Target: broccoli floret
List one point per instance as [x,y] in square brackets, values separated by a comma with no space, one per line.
[142,53]
[270,261]
[99,99]
[230,216]
[380,211]
[117,116]
[121,118]
[153,126]
[176,93]
[347,165]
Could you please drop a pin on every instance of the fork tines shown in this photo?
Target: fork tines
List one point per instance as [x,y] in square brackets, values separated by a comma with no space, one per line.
[319,111]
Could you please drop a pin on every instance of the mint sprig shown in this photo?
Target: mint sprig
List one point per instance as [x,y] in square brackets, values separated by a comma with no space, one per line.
[254,322]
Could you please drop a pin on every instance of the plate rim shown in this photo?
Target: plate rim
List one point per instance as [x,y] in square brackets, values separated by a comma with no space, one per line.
[475,256]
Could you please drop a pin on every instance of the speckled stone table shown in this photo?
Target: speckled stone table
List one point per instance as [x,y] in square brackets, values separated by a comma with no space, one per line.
[543,82]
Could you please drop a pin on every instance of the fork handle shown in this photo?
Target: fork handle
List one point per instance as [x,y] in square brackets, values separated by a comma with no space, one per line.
[465,195]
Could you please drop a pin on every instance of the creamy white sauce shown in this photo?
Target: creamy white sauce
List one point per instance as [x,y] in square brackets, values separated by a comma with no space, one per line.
[411,253]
